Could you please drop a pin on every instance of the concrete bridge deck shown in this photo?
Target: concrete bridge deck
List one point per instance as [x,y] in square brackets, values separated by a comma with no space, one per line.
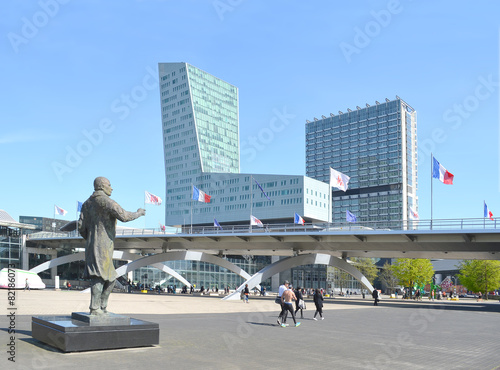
[451,240]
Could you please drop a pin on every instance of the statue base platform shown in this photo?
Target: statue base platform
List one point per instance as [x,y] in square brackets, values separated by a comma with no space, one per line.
[85,332]
[93,320]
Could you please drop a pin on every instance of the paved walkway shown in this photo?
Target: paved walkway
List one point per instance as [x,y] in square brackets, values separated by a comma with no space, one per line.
[207,333]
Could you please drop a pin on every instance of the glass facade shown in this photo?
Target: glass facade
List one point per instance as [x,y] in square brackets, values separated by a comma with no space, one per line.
[200,132]
[215,105]
[377,147]
[10,247]
[204,274]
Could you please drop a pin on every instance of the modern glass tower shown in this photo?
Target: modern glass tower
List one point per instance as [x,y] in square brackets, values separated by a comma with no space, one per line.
[201,144]
[200,131]
[377,147]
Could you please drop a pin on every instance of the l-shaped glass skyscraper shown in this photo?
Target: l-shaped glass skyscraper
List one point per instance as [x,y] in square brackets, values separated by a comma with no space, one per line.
[201,146]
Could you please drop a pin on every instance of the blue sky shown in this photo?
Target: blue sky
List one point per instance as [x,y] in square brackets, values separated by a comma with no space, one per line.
[80,96]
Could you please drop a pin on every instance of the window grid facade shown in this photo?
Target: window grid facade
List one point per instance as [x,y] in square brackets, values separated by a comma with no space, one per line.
[376,146]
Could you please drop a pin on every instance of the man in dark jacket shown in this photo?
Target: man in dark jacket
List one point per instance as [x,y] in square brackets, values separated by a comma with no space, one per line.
[299,303]
[375,297]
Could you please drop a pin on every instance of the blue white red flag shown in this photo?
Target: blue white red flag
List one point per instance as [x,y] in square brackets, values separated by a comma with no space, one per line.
[151,198]
[254,221]
[298,220]
[262,190]
[338,180]
[439,172]
[350,217]
[216,224]
[200,196]
[59,210]
[487,212]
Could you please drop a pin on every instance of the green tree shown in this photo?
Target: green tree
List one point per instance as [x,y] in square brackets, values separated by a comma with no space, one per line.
[413,271]
[387,277]
[480,276]
[367,267]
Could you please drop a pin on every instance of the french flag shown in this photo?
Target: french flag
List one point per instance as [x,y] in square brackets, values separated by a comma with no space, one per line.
[487,212]
[439,172]
[298,220]
[254,221]
[200,196]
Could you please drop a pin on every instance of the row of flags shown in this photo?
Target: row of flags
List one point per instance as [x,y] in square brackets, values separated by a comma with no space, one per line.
[338,180]
[148,199]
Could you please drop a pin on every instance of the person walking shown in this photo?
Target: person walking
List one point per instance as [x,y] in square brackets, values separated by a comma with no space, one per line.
[246,293]
[27,285]
[299,302]
[287,298]
[375,297]
[281,290]
[318,302]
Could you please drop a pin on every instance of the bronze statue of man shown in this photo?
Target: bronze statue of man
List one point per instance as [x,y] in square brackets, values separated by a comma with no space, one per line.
[97,225]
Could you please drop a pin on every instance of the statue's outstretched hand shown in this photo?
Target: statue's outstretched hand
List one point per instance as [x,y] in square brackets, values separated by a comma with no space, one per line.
[141,211]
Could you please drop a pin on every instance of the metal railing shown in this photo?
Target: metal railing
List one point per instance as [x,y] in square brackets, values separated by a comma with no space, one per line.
[470,224]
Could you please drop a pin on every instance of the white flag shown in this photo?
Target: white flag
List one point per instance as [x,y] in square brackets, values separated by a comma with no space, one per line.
[152,199]
[338,180]
[413,215]
[254,221]
[60,211]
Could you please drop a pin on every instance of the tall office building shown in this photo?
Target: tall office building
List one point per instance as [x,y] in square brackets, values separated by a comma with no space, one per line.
[377,147]
[201,147]
[200,131]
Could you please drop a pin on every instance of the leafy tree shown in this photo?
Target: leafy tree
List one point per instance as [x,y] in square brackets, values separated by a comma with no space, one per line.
[480,276]
[413,271]
[367,267]
[387,277]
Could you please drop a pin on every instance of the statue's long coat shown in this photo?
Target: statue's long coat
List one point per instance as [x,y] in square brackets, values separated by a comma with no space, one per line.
[97,225]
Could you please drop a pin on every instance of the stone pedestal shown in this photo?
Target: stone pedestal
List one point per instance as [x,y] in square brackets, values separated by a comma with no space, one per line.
[84,332]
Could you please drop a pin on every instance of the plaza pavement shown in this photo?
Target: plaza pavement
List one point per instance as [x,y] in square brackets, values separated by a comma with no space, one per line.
[207,333]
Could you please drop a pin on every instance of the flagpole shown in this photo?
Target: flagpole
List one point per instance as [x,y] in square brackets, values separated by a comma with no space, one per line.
[191,227]
[251,201]
[144,209]
[330,210]
[432,164]
[484,218]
